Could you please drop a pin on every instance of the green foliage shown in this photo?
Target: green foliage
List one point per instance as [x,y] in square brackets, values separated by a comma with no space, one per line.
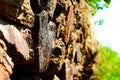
[109,64]
[100,22]
[107,1]
[98,5]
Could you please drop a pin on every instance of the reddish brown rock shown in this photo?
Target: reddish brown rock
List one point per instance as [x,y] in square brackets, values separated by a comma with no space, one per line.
[61,39]
[6,64]
[14,37]
[18,11]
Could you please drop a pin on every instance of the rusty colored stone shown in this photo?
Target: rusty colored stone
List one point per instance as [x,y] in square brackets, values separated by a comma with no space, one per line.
[4,75]
[67,27]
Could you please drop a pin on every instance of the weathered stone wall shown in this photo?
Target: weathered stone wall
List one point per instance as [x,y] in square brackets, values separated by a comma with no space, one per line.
[49,40]
[18,11]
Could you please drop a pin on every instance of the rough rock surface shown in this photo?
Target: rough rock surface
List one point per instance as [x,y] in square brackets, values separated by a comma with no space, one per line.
[6,64]
[57,45]
[18,11]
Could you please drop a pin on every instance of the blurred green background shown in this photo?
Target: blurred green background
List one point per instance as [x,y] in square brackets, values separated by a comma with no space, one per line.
[108,64]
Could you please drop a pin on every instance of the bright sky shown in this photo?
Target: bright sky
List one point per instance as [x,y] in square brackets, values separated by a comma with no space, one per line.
[109,33]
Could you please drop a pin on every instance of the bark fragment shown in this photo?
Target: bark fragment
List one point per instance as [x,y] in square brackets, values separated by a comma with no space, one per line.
[44,43]
[14,37]
[67,27]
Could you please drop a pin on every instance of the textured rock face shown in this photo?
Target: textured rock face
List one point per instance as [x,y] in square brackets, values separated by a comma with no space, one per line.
[6,64]
[18,11]
[53,40]
[14,37]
